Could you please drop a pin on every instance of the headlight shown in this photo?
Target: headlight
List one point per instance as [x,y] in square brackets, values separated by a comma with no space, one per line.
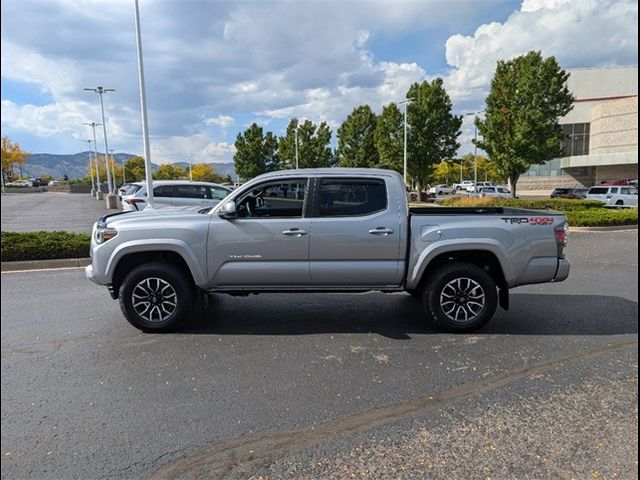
[104,234]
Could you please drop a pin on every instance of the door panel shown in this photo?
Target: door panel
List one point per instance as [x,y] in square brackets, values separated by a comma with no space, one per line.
[268,244]
[256,252]
[350,246]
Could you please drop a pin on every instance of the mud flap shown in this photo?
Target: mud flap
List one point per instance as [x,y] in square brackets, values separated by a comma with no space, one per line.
[503,297]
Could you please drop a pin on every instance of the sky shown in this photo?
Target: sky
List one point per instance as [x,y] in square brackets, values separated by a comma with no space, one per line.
[214,67]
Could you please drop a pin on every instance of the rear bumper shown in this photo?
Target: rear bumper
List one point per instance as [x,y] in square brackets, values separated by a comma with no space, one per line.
[563,270]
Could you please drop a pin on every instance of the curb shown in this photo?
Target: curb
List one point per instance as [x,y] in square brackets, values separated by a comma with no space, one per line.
[44,264]
[614,228]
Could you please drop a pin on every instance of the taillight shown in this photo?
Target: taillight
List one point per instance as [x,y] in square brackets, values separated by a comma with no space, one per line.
[134,201]
[561,235]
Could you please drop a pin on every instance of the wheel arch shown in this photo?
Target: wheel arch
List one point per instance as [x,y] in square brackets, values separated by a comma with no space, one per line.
[129,259]
[483,258]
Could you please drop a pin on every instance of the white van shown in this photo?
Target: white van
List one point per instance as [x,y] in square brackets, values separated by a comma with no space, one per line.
[614,195]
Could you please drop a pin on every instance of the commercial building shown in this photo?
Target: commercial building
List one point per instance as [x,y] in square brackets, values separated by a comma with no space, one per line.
[601,132]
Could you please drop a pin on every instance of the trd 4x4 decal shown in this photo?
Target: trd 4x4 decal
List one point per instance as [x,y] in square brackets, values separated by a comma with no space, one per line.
[528,220]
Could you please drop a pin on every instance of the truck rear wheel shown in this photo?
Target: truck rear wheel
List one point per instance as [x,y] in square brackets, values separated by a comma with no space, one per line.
[156,297]
[460,297]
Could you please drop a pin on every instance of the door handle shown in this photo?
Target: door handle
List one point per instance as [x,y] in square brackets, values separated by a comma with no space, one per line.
[381,231]
[294,232]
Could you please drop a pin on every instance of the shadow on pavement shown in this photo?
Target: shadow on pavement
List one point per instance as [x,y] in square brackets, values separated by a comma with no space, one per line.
[399,316]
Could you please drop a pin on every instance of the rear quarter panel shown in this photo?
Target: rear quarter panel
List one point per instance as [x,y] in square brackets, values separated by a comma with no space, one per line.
[523,241]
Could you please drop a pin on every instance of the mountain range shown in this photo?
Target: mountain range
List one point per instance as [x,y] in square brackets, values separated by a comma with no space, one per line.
[74,165]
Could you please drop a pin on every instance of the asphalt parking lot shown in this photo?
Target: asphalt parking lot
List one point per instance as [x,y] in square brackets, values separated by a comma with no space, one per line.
[49,211]
[326,386]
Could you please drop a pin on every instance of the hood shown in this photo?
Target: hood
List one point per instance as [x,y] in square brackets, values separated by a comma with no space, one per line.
[120,218]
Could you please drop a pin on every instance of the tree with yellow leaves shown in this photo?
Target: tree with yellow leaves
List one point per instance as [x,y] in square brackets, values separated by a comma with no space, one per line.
[11,154]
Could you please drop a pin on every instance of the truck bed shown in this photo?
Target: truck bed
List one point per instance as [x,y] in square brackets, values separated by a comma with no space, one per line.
[477,211]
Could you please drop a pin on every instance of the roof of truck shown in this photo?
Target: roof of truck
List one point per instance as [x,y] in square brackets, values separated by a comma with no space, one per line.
[331,171]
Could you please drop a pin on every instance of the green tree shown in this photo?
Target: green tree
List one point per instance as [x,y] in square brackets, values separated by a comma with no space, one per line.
[314,148]
[256,152]
[528,96]
[168,171]
[447,171]
[389,137]
[433,128]
[134,169]
[356,143]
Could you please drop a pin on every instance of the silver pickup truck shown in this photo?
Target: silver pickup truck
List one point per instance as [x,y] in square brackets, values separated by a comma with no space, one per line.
[325,230]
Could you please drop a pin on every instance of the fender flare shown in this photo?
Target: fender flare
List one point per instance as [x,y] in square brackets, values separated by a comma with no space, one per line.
[180,247]
[416,273]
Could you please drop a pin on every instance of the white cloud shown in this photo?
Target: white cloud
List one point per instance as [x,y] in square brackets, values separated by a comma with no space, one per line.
[54,76]
[223,121]
[47,120]
[199,147]
[272,60]
[582,33]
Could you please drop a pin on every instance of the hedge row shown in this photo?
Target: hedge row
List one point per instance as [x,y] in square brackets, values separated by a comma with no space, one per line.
[602,217]
[16,246]
[557,204]
[580,213]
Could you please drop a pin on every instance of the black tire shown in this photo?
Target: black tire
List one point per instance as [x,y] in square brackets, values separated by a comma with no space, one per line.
[436,300]
[415,293]
[619,202]
[166,285]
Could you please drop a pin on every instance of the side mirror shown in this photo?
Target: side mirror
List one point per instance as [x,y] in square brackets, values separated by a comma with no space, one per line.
[228,210]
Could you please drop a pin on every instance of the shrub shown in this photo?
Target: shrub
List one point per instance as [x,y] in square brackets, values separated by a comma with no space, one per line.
[557,204]
[602,217]
[17,246]
[580,213]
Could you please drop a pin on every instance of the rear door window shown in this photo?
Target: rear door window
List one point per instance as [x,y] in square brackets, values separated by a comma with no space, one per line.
[163,191]
[598,191]
[351,197]
[192,191]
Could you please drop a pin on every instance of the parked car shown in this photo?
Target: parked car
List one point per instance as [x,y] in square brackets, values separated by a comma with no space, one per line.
[474,188]
[174,193]
[129,189]
[19,184]
[578,193]
[495,192]
[54,183]
[615,183]
[462,185]
[461,262]
[614,195]
[38,182]
[441,190]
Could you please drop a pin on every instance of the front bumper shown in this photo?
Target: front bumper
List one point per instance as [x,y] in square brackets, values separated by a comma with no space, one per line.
[90,274]
[563,270]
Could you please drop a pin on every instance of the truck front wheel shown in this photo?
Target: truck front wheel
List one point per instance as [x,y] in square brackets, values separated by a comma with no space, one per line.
[460,297]
[156,297]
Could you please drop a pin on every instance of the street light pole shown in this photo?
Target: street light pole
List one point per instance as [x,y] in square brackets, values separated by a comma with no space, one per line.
[296,140]
[115,164]
[93,183]
[404,102]
[475,149]
[143,110]
[93,126]
[404,144]
[111,197]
